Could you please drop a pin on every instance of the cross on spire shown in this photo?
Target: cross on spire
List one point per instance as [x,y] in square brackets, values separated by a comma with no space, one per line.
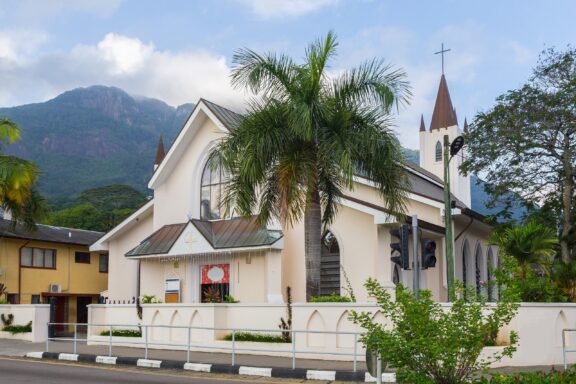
[441,51]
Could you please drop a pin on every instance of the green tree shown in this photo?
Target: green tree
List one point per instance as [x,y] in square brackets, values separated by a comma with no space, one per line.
[305,136]
[17,180]
[527,143]
[532,245]
[99,209]
[427,343]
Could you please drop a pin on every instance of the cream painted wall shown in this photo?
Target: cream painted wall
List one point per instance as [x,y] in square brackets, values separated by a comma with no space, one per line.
[123,272]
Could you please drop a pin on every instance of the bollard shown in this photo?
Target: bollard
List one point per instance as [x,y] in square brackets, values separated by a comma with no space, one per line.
[233,347]
[110,342]
[75,332]
[293,349]
[355,351]
[188,349]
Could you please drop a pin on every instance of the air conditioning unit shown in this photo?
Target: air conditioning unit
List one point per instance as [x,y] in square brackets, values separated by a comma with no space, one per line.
[55,288]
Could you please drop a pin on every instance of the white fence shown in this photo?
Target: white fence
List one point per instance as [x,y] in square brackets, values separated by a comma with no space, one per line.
[539,326]
[38,314]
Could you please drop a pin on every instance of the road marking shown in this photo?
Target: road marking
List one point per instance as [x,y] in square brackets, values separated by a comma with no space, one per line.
[255,371]
[148,363]
[197,367]
[68,357]
[110,360]
[321,375]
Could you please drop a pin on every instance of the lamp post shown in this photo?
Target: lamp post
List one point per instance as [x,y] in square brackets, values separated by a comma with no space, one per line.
[450,149]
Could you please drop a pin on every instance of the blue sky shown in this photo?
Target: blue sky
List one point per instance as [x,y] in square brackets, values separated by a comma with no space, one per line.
[180,50]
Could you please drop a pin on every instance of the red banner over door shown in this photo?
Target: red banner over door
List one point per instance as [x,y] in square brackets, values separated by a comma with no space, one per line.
[216,274]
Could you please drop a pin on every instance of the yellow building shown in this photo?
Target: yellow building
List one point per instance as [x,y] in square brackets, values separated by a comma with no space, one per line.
[52,265]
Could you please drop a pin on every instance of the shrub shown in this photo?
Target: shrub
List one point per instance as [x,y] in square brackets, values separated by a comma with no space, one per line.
[14,329]
[150,299]
[552,377]
[430,344]
[258,337]
[230,299]
[123,333]
[333,298]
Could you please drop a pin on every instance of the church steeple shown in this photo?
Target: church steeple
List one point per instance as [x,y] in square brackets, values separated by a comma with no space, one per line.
[465,125]
[160,154]
[422,126]
[444,115]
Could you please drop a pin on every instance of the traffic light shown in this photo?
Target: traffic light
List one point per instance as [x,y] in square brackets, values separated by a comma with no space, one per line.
[400,248]
[428,253]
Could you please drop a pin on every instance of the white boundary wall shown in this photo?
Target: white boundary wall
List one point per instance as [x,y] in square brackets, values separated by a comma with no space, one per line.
[539,326]
[39,314]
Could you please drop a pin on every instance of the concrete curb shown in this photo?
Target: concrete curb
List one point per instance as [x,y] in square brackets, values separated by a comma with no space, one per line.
[287,373]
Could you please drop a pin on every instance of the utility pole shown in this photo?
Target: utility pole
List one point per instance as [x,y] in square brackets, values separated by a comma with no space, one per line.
[415,258]
[448,221]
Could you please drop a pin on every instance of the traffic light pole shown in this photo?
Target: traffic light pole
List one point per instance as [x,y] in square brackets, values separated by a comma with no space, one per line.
[415,258]
[448,221]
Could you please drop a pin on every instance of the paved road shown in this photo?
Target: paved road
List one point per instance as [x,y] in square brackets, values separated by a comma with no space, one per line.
[15,371]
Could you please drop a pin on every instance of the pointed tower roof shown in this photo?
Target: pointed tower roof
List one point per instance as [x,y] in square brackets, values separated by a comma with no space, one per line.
[422,126]
[465,125]
[160,154]
[444,115]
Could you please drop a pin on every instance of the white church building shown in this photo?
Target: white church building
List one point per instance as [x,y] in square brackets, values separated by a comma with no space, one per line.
[181,249]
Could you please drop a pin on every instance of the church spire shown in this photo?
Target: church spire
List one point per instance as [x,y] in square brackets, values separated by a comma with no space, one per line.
[465,125]
[159,153]
[422,126]
[444,115]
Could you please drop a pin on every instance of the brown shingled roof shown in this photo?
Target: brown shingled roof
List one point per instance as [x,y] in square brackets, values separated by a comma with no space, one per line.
[444,115]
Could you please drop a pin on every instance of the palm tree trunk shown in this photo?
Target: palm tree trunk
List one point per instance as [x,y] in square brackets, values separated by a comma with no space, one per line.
[313,244]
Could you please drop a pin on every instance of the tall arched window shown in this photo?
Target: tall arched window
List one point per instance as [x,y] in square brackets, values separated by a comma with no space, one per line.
[465,253]
[330,266]
[438,151]
[214,180]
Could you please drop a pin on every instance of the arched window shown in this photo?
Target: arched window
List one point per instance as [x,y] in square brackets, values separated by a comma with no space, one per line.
[438,151]
[330,266]
[465,252]
[396,275]
[214,180]
[490,274]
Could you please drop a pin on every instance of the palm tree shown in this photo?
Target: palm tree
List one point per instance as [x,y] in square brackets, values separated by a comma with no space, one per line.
[305,136]
[17,180]
[533,245]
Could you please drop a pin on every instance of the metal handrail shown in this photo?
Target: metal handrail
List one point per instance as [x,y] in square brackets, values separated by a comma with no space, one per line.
[233,348]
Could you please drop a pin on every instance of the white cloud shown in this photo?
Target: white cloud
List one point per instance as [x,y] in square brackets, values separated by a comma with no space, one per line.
[128,63]
[280,8]
[17,45]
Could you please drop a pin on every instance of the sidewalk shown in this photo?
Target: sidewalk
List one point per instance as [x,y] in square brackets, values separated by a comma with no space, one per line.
[20,348]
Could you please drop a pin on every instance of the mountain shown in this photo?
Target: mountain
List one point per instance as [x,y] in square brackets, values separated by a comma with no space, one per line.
[94,136]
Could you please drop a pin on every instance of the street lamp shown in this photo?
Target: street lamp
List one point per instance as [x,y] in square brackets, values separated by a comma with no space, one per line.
[453,148]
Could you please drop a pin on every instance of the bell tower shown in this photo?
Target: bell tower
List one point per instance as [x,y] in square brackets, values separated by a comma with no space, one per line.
[444,122]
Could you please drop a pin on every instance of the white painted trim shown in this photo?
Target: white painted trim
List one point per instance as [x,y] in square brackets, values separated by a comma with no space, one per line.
[110,360]
[255,371]
[412,196]
[321,375]
[197,367]
[148,363]
[99,245]
[379,216]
